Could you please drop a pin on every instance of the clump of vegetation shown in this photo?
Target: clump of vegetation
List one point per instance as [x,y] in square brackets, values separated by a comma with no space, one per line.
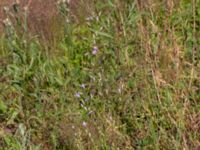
[121,75]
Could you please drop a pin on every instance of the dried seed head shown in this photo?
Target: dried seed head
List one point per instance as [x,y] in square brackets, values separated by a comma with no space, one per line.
[6,9]
[7,22]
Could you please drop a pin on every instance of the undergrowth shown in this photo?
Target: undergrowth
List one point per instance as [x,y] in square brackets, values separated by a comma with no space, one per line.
[125,77]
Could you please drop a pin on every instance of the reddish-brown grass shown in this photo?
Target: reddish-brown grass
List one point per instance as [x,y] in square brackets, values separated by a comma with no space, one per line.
[41,15]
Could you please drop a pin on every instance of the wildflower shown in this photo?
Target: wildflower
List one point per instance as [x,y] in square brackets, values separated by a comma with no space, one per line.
[77,95]
[83,86]
[90,112]
[97,18]
[95,50]
[90,18]
[7,22]
[84,124]
[87,99]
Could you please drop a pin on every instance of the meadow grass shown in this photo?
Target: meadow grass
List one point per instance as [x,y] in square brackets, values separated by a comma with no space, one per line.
[114,75]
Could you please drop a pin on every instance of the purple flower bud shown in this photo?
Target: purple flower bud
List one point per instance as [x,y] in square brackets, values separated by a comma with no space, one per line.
[77,95]
[95,50]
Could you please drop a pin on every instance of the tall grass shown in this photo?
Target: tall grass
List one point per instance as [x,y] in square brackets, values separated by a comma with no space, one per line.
[112,75]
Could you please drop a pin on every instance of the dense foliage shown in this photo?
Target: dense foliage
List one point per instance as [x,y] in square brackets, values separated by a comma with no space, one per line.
[115,75]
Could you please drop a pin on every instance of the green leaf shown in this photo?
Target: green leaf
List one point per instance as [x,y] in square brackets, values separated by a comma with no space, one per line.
[102,34]
[3,107]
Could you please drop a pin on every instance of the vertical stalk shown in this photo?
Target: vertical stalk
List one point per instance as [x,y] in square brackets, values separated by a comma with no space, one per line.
[194,42]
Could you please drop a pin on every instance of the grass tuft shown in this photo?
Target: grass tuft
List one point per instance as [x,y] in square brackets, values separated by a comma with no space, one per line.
[107,75]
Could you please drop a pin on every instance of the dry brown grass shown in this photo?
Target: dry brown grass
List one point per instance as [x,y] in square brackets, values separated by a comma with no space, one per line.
[153,100]
[42,16]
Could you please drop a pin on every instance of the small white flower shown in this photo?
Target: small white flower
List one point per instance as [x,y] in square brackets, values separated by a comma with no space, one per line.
[83,86]
[84,124]
[89,18]
[7,22]
[90,112]
[87,99]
